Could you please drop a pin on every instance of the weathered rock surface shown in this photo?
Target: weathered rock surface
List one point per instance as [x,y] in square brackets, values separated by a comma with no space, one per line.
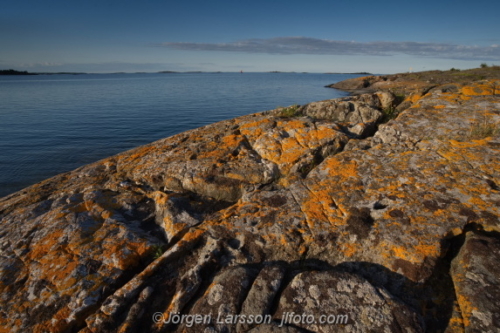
[475,274]
[272,223]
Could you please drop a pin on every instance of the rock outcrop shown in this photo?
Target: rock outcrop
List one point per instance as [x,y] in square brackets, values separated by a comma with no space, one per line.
[330,218]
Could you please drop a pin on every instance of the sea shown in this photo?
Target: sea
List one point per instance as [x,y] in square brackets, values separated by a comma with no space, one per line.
[51,124]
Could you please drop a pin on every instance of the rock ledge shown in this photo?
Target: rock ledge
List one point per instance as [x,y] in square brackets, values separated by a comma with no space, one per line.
[330,210]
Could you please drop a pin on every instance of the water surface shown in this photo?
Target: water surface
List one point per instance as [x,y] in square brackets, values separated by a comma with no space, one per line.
[55,123]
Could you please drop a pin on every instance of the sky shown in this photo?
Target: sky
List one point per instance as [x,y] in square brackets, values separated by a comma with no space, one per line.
[103,36]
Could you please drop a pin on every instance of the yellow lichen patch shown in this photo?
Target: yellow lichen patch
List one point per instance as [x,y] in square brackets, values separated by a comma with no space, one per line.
[291,151]
[106,214]
[424,250]
[343,169]
[466,308]
[399,252]
[272,238]
[294,139]
[456,323]
[283,240]
[439,106]
[478,203]
[321,207]
[80,208]
[440,213]
[138,153]
[323,133]
[469,144]
[291,124]
[213,150]
[63,265]
[393,189]
[232,140]
[454,232]
[191,235]
[255,129]
[58,323]
[45,245]
[450,155]
[349,249]
[481,88]
[414,97]
[160,198]
[308,239]
[454,97]
[171,227]
[415,254]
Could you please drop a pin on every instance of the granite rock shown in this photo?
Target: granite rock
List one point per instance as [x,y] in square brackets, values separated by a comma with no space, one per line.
[231,226]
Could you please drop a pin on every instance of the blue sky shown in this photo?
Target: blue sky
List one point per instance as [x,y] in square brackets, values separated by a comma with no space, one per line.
[313,36]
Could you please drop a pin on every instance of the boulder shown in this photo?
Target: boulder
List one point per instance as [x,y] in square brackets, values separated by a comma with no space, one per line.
[475,274]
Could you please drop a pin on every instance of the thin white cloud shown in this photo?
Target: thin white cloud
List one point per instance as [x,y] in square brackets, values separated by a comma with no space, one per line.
[307,45]
[42,64]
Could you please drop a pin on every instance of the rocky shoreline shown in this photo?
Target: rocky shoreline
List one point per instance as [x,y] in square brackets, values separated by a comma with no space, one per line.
[380,209]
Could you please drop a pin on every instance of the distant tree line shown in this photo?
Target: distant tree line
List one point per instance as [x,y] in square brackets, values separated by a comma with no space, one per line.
[14,72]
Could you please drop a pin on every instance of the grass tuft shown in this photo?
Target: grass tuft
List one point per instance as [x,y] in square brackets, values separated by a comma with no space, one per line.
[389,114]
[291,111]
[157,251]
[481,130]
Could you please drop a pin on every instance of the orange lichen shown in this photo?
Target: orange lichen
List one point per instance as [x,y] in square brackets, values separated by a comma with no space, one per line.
[456,324]
[191,235]
[349,249]
[138,153]
[45,245]
[106,214]
[415,254]
[58,323]
[321,207]
[427,250]
[413,98]
[466,308]
[481,88]
[469,144]
[344,169]
[400,252]
[254,129]
[232,140]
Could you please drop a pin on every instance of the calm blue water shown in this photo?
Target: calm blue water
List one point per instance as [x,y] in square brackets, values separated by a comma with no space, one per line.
[55,123]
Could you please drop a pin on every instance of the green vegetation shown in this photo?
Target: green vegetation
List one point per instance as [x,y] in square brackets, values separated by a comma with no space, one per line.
[494,88]
[399,98]
[481,130]
[291,111]
[157,251]
[389,114]
[484,65]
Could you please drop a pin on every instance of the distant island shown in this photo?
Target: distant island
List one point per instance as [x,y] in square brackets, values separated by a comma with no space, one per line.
[14,72]
[174,72]
[363,73]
